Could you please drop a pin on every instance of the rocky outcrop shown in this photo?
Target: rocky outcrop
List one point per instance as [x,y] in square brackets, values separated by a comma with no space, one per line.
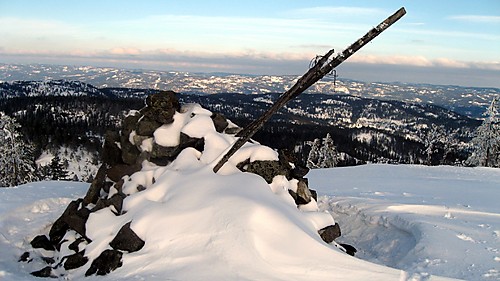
[139,141]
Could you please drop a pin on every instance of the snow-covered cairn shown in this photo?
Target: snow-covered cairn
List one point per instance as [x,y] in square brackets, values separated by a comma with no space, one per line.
[160,152]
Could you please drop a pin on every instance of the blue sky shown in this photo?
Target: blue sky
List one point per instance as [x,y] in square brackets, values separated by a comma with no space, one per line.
[439,42]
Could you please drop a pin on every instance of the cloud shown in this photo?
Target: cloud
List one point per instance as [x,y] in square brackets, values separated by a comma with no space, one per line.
[362,67]
[249,57]
[312,46]
[450,34]
[395,60]
[421,61]
[476,18]
[338,10]
[471,77]
[414,23]
[125,51]
[37,27]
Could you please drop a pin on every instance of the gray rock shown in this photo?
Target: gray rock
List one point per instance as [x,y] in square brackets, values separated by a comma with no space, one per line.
[76,223]
[111,153]
[129,123]
[187,141]
[330,233]
[25,257]
[147,126]
[116,172]
[161,107]
[106,262]
[350,250]
[75,260]
[267,169]
[115,201]
[220,122]
[127,240]
[232,130]
[138,139]
[299,171]
[129,151]
[41,241]
[61,225]
[314,194]
[44,272]
[74,246]
[57,232]
[159,151]
[303,192]
[96,186]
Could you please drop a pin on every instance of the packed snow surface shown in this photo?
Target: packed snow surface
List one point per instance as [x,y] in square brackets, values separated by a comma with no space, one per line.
[413,221]
[425,220]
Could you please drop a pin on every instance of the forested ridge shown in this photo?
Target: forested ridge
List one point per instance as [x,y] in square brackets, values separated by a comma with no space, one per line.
[364,130]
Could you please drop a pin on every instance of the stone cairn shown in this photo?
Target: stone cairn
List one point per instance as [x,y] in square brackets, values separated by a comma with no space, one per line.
[122,156]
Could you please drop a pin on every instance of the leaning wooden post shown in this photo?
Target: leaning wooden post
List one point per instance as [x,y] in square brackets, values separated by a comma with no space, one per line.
[322,67]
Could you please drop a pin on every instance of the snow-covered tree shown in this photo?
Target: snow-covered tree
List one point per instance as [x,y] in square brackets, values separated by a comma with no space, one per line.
[437,143]
[313,157]
[17,165]
[486,143]
[323,154]
[329,153]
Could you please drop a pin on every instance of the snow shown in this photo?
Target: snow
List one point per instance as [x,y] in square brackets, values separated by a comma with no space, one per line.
[194,121]
[408,222]
[420,220]
[425,220]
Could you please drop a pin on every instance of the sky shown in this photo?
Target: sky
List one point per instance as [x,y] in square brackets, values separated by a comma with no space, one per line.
[437,42]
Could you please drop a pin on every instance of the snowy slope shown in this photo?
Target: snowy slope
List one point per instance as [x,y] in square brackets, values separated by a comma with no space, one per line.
[425,220]
[408,217]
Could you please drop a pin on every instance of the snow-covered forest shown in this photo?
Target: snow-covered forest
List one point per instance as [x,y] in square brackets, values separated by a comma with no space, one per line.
[71,122]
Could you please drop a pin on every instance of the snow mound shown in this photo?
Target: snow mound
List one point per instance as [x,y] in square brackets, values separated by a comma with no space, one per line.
[156,210]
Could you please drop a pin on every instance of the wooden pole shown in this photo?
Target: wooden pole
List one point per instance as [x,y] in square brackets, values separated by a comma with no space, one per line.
[313,75]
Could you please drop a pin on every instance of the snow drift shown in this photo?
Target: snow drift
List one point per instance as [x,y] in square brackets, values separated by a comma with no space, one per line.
[156,210]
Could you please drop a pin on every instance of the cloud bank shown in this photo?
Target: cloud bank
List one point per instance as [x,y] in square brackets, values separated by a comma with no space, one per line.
[364,67]
[476,18]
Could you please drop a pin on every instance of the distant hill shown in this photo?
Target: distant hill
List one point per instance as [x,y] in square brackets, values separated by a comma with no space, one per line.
[47,88]
[469,101]
[57,113]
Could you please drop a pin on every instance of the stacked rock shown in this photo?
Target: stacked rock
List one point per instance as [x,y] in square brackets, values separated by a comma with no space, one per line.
[124,153]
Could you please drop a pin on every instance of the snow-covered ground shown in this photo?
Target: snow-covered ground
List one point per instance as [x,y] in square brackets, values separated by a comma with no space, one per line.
[425,220]
[419,220]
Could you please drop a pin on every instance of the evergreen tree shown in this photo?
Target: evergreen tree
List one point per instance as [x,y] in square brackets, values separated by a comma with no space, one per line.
[486,143]
[323,154]
[314,154]
[329,157]
[17,165]
[57,170]
[435,143]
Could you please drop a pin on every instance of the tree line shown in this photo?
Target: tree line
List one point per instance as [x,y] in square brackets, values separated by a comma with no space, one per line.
[31,125]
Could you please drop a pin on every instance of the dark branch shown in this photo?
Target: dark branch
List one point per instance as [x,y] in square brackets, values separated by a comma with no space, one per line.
[313,75]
